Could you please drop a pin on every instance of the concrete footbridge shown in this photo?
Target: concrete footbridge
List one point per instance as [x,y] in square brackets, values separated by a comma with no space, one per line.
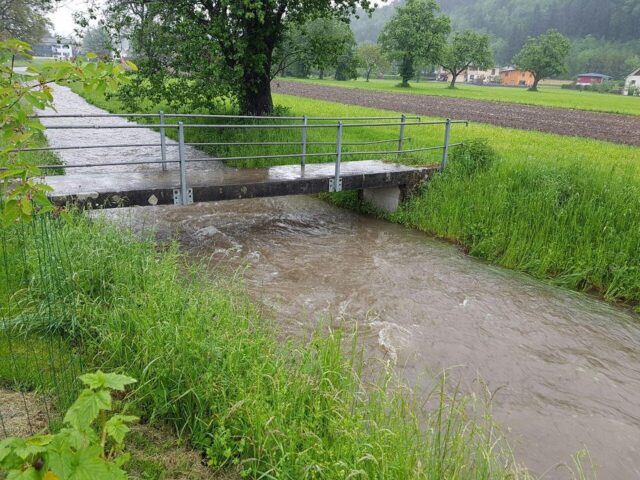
[106,175]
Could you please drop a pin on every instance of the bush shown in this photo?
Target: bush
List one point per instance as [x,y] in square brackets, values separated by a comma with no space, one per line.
[609,86]
[574,223]
[474,156]
[90,445]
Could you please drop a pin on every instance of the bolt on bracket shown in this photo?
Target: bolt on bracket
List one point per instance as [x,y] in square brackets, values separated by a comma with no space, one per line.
[333,187]
[177,197]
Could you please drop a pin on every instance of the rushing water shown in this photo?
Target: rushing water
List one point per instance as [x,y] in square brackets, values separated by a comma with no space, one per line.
[565,368]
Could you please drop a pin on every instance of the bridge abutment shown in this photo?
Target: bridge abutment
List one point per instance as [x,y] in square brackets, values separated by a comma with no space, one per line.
[387,199]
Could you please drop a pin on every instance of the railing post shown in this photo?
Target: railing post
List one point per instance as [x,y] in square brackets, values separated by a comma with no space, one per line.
[183,165]
[445,148]
[305,121]
[403,119]
[337,181]
[163,146]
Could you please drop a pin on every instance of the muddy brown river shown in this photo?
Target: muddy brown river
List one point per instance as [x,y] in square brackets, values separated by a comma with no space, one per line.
[565,367]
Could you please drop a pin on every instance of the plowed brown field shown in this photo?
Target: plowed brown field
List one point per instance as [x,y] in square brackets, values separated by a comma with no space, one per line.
[563,121]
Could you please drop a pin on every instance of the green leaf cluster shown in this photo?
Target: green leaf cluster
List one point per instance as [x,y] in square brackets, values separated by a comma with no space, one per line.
[465,49]
[371,58]
[544,56]
[89,447]
[192,52]
[415,34]
[21,93]
[318,44]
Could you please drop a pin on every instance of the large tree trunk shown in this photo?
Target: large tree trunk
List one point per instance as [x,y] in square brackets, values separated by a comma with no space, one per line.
[256,99]
[369,73]
[406,70]
[255,91]
[453,80]
[534,87]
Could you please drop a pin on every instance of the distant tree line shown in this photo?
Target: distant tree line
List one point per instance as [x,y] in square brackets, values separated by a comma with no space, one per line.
[605,34]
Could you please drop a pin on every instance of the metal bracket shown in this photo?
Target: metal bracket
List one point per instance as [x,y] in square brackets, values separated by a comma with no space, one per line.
[177,200]
[332,186]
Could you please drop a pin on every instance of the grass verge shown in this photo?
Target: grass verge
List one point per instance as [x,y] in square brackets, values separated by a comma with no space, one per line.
[211,369]
[548,96]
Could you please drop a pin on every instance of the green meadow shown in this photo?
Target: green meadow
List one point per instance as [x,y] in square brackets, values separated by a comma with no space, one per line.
[547,95]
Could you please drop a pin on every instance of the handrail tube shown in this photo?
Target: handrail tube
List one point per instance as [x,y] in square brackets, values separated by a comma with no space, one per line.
[125,145]
[227,126]
[218,159]
[305,123]
[183,165]
[163,145]
[322,154]
[336,181]
[196,115]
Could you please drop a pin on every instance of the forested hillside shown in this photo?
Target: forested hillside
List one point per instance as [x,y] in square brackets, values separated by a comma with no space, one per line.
[612,27]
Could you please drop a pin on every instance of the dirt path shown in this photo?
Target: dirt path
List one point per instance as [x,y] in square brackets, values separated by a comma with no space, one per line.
[21,413]
[602,126]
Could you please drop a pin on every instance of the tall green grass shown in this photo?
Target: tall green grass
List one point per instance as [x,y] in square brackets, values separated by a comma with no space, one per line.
[578,224]
[209,366]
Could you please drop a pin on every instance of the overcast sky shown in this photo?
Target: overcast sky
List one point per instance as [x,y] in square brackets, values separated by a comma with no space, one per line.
[62,16]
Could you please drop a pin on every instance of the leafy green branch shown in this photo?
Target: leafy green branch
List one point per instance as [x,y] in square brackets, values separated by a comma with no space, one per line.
[89,447]
[21,93]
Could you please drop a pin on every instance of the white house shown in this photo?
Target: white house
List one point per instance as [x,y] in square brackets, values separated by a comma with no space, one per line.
[633,80]
[490,75]
[54,46]
[62,50]
[472,75]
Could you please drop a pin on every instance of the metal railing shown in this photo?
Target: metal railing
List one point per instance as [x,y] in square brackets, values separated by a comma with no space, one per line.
[306,125]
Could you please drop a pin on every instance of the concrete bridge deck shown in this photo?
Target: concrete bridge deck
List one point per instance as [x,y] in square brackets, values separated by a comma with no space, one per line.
[143,188]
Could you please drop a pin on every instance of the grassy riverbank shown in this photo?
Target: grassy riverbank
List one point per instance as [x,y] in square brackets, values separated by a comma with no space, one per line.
[212,369]
[548,96]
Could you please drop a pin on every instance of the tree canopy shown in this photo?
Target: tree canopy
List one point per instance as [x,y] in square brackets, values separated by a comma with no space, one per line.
[24,19]
[465,49]
[415,34]
[211,48]
[97,40]
[544,56]
[317,44]
[604,33]
[371,58]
